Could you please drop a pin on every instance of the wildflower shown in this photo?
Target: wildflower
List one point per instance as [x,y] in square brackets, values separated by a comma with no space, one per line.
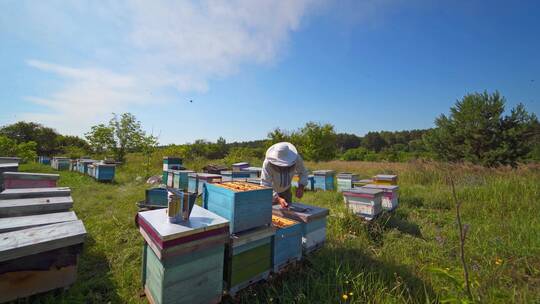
[346,282]
[345,297]
[447,269]
[351,294]
[498,261]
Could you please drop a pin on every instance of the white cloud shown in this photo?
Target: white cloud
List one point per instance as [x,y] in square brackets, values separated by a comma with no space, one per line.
[158,45]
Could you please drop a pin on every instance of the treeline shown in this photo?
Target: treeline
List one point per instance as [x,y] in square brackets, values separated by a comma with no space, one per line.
[478,129]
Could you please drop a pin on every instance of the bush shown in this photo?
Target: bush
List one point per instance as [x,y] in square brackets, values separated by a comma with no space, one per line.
[26,150]
[355,154]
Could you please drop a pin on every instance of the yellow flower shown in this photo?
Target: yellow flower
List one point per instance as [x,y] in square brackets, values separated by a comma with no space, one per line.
[345,297]
[351,294]
[498,261]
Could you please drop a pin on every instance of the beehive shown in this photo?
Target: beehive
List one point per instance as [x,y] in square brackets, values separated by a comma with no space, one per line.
[390,196]
[170,163]
[156,197]
[196,181]
[314,223]
[310,182]
[254,171]
[180,179]
[184,262]
[104,172]
[364,202]
[385,179]
[286,243]
[10,160]
[14,180]
[60,163]
[73,165]
[91,170]
[82,165]
[245,205]
[324,179]
[248,258]
[44,160]
[346,181]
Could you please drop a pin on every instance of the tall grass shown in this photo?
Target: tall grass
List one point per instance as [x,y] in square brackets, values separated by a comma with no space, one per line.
[408,256]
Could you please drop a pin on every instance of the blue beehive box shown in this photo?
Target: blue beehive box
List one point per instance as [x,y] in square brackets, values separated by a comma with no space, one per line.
[231,175]
[44,160]
[245,205]
[104,172]
[324,179]
[156,197]
[82,165]
[286,243]
[196,181]
[180,179]
[170,163]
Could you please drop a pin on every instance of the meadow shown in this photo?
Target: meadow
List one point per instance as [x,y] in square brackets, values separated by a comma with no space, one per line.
[408,256]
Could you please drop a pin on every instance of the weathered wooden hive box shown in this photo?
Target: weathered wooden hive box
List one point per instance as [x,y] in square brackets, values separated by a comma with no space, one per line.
[7,167]
[196,181]
[245,205]
[324,179]
[390,199]
[180,179]
[362,182]
[346,181]
[44,160]
[184,262]
[170,163]
[14,180]
[254,171]
[60,163]
[314,223]
[232,175]
[311,182]
[37,205]
[248,258]
[286,243]
[104,172]
[385,179]
[364,202]
[10,160]
[35,192]
[240,166]
[156,197]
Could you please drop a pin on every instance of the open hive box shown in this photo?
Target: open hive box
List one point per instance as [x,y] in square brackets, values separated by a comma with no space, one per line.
[244,204]
[286,243]
[390,195]
[13,180]
[364,202]
[183,262]
[313,221]
[248,258]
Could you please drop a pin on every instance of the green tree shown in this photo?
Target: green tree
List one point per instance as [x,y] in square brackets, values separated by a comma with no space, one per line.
[26,150]
[44,137]
[101,139]
[318,141]
[476,131]
[374,141]
[355,154]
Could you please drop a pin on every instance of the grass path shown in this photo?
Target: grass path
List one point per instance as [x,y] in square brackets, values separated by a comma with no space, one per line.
[410,255]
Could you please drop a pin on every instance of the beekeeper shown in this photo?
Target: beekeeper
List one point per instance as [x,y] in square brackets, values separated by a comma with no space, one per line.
[282,162]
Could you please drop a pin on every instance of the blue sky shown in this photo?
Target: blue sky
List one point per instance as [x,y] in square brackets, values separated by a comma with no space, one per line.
[251,66]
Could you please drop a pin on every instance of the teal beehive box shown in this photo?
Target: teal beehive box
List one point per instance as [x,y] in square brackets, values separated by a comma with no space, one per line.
[170,163]
[244,204]
[183,262]
[324,179]
[286,243]
[180,179]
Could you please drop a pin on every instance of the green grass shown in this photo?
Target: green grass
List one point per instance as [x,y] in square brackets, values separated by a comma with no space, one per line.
[410,255]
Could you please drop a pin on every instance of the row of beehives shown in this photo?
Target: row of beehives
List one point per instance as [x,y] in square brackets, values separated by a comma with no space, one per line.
[40,238]
[369,197]
[100,170]
[237,239]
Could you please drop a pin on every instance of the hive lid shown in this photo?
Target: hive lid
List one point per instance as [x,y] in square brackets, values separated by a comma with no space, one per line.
[382,187]
[363,191]
[300,212]
[251,235]
[347,175]
[385,177]
[200,220]
[323,172]
[241,164]
[8,165]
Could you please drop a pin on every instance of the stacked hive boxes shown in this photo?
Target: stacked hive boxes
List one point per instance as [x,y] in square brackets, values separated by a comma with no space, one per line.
[324,179]
[286,243]
[196,181]
[364,202]
[253,171]
[248,207]
[183,262]
[170,163]
[82,165]
[390,195]
[40,241]
[313,221]
[346,181]
[385,179]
